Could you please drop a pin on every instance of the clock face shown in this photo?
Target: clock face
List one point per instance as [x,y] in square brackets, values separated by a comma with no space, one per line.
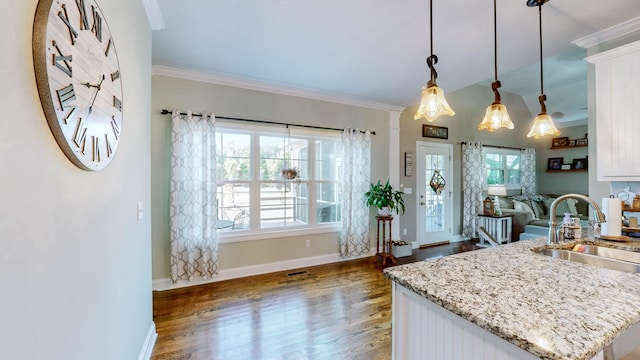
[78,80]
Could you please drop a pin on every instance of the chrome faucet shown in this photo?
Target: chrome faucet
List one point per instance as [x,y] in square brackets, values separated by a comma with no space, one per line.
[597,214]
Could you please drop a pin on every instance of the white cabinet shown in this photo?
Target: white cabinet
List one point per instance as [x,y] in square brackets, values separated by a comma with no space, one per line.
[617,84]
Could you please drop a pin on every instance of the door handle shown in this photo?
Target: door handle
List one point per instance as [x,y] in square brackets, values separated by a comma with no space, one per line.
[423,203]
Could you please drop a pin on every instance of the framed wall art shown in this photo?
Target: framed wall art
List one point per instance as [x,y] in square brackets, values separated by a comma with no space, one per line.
[432,131]
[580,164]
[560,142]
[555,163]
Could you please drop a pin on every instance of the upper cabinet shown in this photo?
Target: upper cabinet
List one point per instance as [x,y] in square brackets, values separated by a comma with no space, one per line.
[617,84]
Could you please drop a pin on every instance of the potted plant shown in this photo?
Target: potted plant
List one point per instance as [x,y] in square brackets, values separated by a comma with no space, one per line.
[385,198]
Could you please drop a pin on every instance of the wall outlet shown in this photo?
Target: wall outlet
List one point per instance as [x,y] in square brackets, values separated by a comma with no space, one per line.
[308,243]
[404,231]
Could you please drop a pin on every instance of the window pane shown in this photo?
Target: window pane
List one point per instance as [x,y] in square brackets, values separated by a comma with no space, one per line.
[328,203]
[233,156]
[298,152]
[495,177]
[328,159]
[283,204]
[513,162]
[493,161]
[233,206]
[271,157]
[513,177]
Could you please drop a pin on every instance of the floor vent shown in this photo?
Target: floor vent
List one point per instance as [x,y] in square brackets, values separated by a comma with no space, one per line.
[303,272]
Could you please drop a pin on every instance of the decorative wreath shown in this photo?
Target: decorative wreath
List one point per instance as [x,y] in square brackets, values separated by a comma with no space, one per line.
[437,182]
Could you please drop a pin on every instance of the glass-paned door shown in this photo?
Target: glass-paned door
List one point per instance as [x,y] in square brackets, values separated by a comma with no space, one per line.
[435,213]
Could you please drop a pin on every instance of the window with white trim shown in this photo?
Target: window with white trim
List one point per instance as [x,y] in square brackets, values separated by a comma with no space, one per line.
[253,196]
[502,167]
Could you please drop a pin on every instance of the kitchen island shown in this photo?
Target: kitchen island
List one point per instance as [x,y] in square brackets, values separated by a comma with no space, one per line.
[508,302]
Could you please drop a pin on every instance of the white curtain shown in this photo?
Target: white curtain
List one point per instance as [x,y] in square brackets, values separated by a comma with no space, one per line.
[356,159]
[472,180]
[528,175]
[192,208]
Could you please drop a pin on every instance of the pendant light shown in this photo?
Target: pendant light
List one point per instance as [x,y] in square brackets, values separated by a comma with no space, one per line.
[497,115]
[433,104]
[543,123]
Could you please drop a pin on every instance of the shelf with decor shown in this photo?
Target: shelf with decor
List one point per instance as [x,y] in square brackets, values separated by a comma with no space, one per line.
[566,143]
[567,170]
[568,146]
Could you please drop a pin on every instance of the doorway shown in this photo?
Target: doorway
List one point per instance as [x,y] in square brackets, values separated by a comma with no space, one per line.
[435,206]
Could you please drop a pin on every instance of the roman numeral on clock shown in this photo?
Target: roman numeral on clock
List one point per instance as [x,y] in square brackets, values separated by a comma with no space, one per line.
[106,52]
[96,28]
[66,95]
[115,76]
[117,103]
[62,61]
[108,145]
[80,135]
[115,127]
[65,18]
[95,149]
[84,22]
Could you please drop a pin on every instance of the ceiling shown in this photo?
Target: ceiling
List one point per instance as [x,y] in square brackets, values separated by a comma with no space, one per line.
[375,50]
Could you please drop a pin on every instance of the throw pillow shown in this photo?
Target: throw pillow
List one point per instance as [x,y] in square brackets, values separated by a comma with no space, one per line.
[562,208]
[505,203]
[518,205]
[547,204]
[571,204]
[538,208]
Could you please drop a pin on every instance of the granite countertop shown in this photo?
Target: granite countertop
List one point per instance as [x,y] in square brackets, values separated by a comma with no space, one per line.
[552,308]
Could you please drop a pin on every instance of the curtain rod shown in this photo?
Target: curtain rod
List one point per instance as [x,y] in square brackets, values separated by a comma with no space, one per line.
[165,112]
[497,146]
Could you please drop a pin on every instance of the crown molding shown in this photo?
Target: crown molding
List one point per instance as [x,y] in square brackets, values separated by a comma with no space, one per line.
[270,88]
[609,33]
[154,15]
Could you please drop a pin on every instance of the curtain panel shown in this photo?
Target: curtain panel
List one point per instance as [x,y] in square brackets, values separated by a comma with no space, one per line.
[528,176]
[472,181]
[192,208]
[356,170]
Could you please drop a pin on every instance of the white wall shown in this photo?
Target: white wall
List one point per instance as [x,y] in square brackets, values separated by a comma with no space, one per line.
[75,262]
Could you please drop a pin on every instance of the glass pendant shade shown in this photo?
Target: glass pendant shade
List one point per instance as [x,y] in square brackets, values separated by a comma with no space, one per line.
[496,117]
[433,104]
[543,125]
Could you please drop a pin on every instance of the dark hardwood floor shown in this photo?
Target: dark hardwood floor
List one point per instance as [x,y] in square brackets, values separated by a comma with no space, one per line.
[334,311]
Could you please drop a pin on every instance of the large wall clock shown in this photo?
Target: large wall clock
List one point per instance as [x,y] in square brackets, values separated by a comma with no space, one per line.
[78,79]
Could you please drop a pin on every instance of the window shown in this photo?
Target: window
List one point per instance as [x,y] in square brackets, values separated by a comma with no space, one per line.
[502,166]
[253,196]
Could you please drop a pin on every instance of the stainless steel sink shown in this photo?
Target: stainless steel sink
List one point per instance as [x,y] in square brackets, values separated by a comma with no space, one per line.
[607,252]
[594,260]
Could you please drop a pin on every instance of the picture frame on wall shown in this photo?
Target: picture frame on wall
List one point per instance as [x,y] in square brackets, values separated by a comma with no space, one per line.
[555,163]
[432,131]
[582,142]
[560,142]
[580,164]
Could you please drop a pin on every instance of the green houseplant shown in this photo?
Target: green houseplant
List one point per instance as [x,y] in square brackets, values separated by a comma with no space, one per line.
[383,196]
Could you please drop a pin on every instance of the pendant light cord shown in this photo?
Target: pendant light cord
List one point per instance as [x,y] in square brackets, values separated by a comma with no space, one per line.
[495,40]
[432,59]
[541,66]
[431,25]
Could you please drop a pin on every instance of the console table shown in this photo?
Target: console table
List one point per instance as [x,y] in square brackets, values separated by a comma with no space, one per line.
[387,244]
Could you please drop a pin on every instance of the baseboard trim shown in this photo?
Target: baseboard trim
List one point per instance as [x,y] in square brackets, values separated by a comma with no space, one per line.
[240,272]
[149,343]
